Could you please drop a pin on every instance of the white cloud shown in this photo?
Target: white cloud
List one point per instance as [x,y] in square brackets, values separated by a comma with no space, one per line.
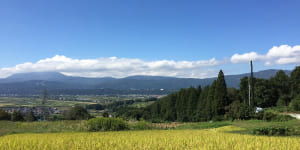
[281,55]
[116,67]
[246,57]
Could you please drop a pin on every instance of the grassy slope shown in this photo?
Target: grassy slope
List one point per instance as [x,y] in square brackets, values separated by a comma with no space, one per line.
[9,127]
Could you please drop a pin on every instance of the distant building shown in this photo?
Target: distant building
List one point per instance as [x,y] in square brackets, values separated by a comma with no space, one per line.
[258,109]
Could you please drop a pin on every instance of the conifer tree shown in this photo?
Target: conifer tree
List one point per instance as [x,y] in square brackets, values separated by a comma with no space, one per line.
[220,98]
[209,109]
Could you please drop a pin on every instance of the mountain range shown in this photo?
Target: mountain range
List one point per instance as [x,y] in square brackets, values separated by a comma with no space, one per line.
[33,83]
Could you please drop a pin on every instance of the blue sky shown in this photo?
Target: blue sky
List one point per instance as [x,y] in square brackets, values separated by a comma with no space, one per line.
[150,31]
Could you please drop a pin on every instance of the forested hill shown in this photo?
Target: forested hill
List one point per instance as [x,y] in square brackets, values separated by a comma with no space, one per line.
[32,83]
[219,102]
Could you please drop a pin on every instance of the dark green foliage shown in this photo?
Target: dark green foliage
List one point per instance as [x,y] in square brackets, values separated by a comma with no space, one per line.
[269,116]
[105,114]
[279,131]
[17,116]
[30,117]
[210,100]
[203,106]
[295,103]
[217,102]
[244,90]
[106,124]
[142,125]
[4,115]
[295,81]
[95,106]
[239,110]
[220,97]
[264,94]
[281,83]
[77,113]
[45,95]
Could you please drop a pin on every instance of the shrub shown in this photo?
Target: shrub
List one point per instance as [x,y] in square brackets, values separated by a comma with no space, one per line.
[268,116]
[77,113]
[274,131]
[4,115]
[295,103]
[30,117]
[106,124]
[142,125]
[282,118]
[17,116]
[259,115]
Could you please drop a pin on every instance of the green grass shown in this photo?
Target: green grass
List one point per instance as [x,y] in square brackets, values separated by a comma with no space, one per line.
[9,127]
[204,125]
[249,125]
[17,102]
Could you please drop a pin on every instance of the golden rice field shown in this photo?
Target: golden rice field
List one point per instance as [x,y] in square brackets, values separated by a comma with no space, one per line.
[150,139]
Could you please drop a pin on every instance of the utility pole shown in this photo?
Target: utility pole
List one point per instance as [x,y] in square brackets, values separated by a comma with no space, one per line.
[250,82]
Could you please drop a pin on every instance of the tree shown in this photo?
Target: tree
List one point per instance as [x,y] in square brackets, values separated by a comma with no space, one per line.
[202,102]
[45,95]
[295,81]
[264,95]
[209,109]
[295,103]
[244,89]
[281,82]
[30,116]
[17,116]
[77,113]
[192,103]
[220,98]
[4,115]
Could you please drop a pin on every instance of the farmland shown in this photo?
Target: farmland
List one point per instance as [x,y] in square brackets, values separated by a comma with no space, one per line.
[150,139]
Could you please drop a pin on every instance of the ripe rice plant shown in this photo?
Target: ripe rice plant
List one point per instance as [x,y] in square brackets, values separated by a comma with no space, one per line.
[150,139]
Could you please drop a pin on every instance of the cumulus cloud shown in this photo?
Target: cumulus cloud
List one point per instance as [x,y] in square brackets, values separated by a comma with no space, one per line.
[116,67]
[280,55]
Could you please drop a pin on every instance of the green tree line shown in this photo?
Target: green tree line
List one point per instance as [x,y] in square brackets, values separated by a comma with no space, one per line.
[217,102]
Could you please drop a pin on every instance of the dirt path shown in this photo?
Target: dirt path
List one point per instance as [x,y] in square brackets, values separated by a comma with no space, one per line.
[297,116]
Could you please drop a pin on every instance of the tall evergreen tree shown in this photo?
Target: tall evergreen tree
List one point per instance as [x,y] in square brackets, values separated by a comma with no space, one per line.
[201,108]
[192,103]
[220,98]
[295,81]
[209,109]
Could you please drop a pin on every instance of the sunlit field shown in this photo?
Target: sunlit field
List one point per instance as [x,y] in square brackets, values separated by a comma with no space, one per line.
[219,138]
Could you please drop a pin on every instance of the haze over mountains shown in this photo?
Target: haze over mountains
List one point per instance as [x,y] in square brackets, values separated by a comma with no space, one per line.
[58,83]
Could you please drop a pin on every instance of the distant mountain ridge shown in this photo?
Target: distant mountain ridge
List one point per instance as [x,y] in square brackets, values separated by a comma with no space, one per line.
[57,81]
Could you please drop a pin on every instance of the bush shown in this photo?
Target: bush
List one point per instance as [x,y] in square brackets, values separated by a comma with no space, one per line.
[77,113]
[4,115]
[283,131]
[259,115]
[30,117]
[295,103]
[106,124]
[282,118]
[17,116]
[142,125]
[268,116]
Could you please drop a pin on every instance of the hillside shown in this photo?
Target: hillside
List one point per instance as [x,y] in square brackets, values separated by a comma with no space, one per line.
[33,83]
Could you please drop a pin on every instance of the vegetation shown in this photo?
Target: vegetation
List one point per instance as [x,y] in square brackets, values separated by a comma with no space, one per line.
[156,139]
[106,124]
[77,113]
[217,102]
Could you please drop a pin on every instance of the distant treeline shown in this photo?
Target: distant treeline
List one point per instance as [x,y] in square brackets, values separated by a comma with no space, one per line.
[15,91]
[217,102]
